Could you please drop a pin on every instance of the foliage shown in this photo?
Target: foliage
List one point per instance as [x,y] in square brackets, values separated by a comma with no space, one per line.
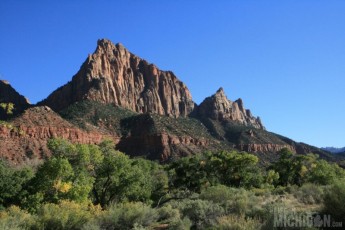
[12,183]
[14,218]
[97,187]
[65,215]
[334,200]
[235,222]
[299,169]
[127,215]
[7,108]
[202,213]
[309,193]
[227,168]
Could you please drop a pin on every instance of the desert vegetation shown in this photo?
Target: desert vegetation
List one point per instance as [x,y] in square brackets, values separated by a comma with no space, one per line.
[97,187]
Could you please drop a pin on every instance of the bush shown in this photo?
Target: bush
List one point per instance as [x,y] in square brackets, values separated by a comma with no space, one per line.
[334,200]
[65,215]
[234,222]
[309,194]
[14,218]
[128,215]
[202,213]
[236,201]
[172,217]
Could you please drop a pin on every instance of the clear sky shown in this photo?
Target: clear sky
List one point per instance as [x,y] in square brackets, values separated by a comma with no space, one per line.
[285,59]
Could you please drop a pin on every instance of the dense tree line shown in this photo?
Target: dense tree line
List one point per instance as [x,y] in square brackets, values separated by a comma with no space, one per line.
[97,187]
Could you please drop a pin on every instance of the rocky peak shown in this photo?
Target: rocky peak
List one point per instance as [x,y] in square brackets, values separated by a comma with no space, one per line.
[11,102]
[113,75]
[219,107]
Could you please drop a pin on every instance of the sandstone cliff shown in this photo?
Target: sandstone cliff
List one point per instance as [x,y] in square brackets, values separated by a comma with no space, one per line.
[114,75]
[220,108]
[26,136]
[11,102]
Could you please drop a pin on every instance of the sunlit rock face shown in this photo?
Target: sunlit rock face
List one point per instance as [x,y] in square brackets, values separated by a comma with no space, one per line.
[114,75]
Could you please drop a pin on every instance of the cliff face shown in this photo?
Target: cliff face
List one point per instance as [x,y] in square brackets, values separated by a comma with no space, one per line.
[26,136]
[11,102]
[114,75]
[219,107]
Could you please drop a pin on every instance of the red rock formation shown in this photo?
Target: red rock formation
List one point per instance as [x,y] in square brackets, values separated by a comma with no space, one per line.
[166,145]
[114,75]
[27,135]
[219,107]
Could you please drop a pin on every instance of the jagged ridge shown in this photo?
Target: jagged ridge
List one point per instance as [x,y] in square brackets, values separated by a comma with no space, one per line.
[114,75]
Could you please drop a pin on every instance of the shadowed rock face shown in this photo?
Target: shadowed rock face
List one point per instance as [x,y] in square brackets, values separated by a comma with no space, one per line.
[114,75]
[219,107]
[8,95]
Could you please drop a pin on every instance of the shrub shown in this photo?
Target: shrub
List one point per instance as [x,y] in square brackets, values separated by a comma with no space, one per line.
[65,215]
[172,217]
[234,222]
[334,200]
[309,194]
[14,218]
[202,213]
[128,215]
[234,200]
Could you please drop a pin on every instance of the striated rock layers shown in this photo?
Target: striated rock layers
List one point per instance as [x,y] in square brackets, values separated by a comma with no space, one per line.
[11,101]
[27,135]
[219,107]
[114,75]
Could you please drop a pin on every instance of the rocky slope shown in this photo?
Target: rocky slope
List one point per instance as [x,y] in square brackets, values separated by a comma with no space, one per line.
[153,136]
[26,136]
[114,75]
[11,102]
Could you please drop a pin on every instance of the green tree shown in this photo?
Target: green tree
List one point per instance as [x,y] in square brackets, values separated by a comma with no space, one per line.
[237,169]
[54,179]
[12,183]
[325,173]
[118,178]
[228,168]
[294,168]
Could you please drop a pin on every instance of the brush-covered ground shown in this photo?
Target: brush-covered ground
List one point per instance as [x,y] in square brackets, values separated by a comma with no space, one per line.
[96,187]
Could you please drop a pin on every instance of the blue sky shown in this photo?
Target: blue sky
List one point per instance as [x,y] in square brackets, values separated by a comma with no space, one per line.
[285,59]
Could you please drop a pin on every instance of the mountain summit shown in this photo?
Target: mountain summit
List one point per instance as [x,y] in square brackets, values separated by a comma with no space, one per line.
[219,107]
[113,75]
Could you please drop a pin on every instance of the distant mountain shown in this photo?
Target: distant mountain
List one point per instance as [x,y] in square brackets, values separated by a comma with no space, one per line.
[334,150]
[144,110]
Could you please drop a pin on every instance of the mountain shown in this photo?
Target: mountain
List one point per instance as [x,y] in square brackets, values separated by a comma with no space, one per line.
[11,102]
[144,110]
[334,150]
[114,75]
